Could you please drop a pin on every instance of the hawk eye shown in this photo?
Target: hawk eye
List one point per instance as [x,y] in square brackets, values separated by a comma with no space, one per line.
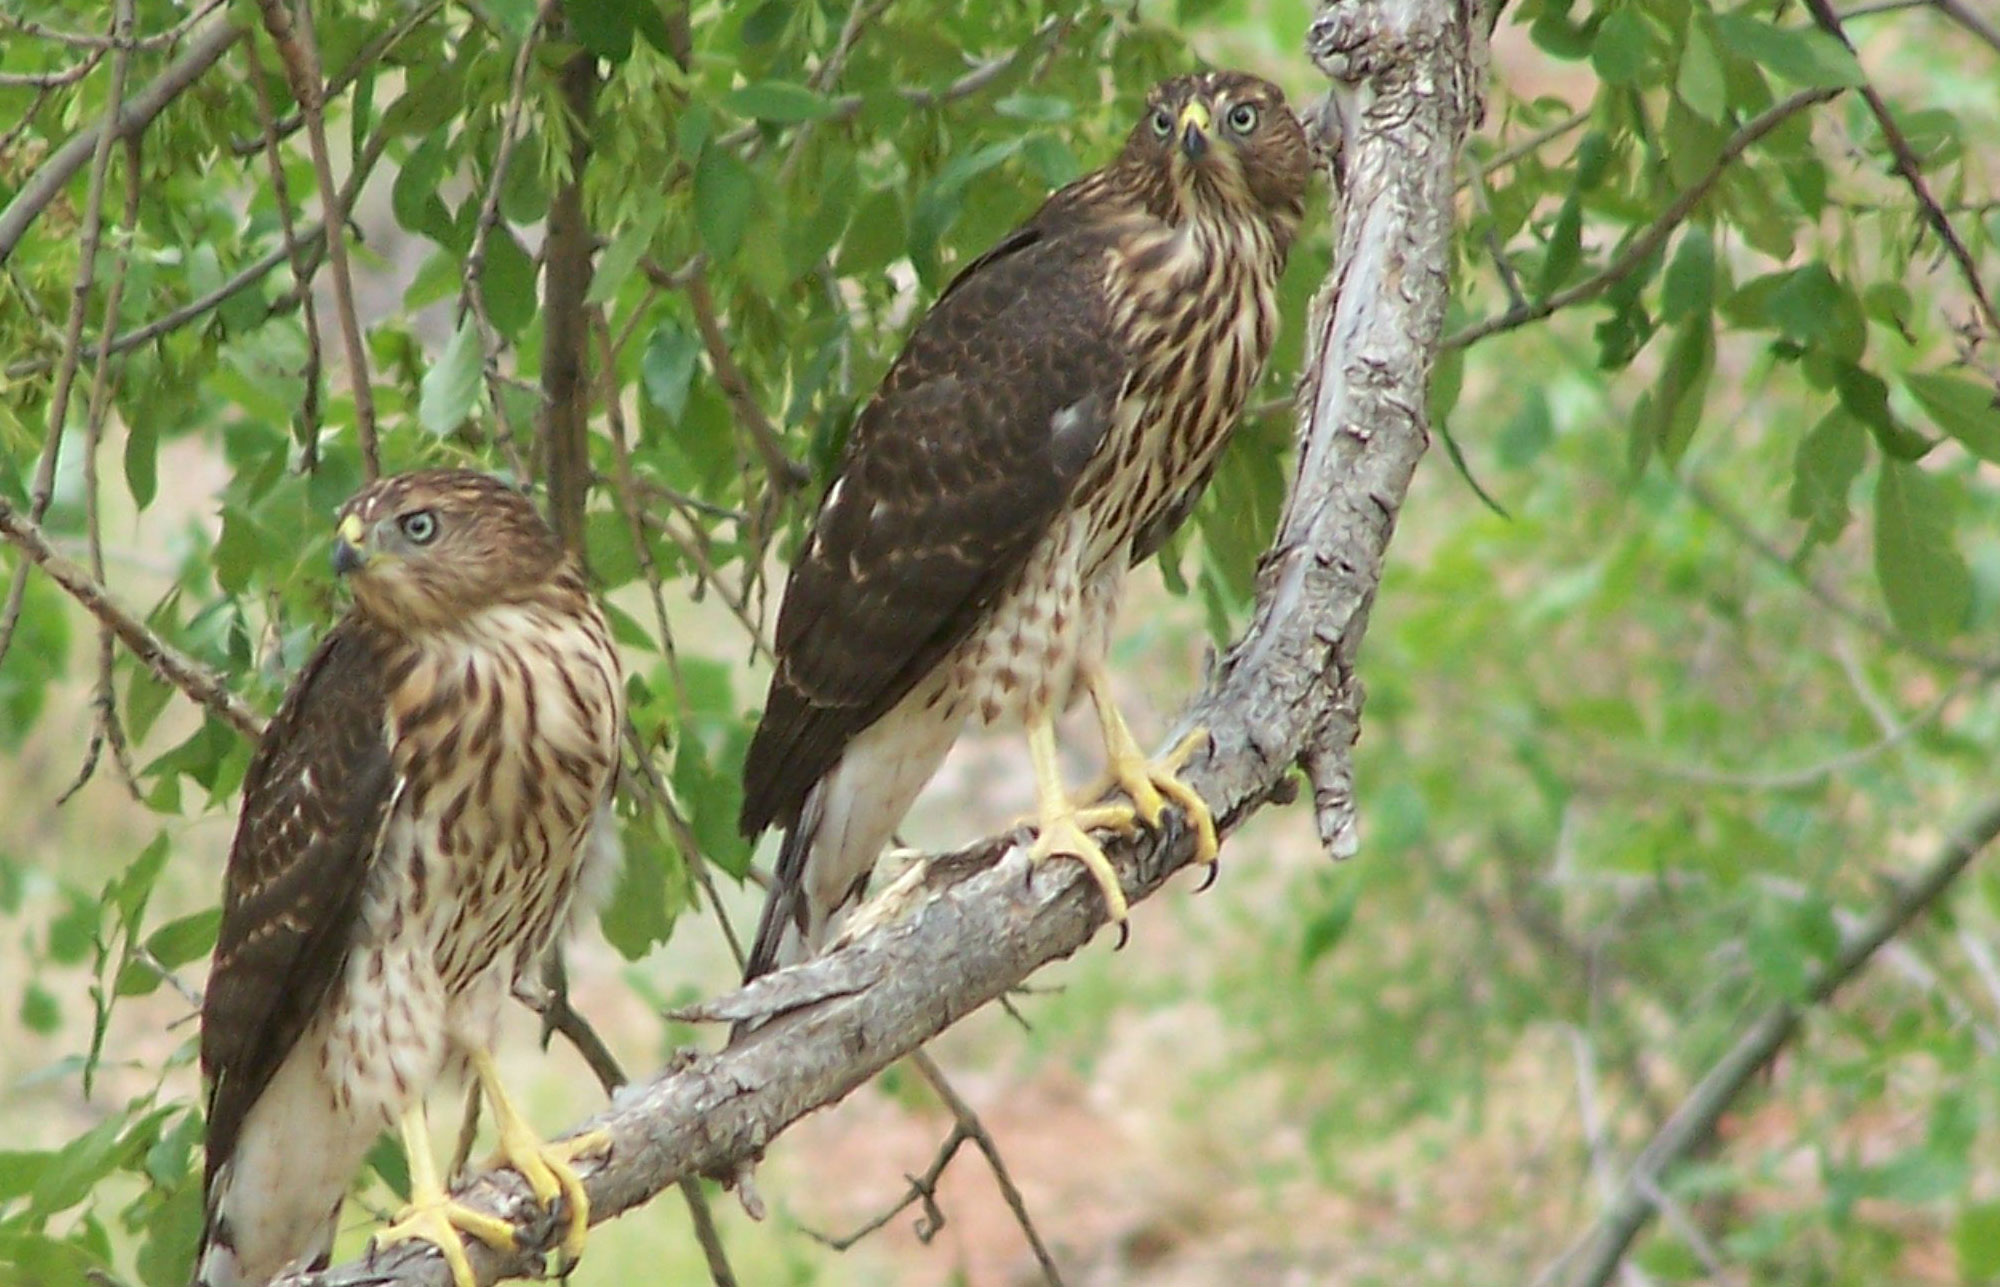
[421,526]
[1243,117]
[1163,123]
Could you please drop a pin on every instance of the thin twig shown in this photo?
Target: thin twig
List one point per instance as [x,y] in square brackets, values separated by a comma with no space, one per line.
[1824,594]
[54,79]
[558,1016]
[311,237]
[1639,248]
[42,490]
[368,55]
[693,545]
[299,53]
[1597,1255]
[1979,24]
[167,662]
[1522,148]
[786,474]
[625,491]
[55,173]
[472,290]
[304,264]
[1912,172]
[652,789]
[975,1130]
[106,728]
[84,40]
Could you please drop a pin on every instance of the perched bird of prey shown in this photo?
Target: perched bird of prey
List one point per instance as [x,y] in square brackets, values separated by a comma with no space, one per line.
[1050,422]
[416,824]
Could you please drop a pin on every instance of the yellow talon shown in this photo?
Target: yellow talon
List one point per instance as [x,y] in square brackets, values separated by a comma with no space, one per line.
[1151,783]
[1064,829]
[548,1167]
[433,1216]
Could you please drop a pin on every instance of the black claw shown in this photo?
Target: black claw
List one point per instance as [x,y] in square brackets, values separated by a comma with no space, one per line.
[1214,873]
[1124,936]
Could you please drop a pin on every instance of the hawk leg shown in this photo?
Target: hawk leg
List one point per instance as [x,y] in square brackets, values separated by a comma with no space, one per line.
[548,1167]
[1062,827]
[1151,783]
[432,1215]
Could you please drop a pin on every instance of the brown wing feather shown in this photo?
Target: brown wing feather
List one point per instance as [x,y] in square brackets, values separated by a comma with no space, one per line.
[314,800]
[955,469]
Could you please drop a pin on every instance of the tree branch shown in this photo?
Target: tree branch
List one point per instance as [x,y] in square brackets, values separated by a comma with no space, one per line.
[1658,231]
[1912,173]
[298,52]
[564,423]
[960,929]
[137,111]
[166,662]
[1597,1257]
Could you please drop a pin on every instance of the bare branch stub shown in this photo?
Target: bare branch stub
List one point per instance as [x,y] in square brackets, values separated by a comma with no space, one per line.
[1283,691]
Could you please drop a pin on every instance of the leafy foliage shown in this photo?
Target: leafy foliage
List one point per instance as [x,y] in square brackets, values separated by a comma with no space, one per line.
[1656,704]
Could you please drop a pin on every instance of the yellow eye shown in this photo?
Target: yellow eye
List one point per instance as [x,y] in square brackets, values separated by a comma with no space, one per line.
[1243,118]
[1163,123]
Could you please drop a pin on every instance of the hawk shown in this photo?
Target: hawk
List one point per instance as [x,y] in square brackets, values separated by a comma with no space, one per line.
[416,825]
[1051,421]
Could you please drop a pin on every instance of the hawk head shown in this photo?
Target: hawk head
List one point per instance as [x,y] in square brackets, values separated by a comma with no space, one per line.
[426,550]
[1221,143]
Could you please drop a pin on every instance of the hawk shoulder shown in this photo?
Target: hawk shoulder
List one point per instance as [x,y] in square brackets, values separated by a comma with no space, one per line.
[314,800]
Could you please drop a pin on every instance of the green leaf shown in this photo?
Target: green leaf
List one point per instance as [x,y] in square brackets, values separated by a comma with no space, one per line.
[1977,1241]
[668,368]
[1699,80]
[779,102]
[1924,578]
[1811,59]
[723,191]
[507,282]
[605,26]
[1688,287]
[449,388]
[1619,51]
[1829,459]
[1965,409]
[1327,925]
[142,468]
[649,894]
[1866,395]
[1670,412]
[1565,246]
[185,938]
[240,551]
[39,1010]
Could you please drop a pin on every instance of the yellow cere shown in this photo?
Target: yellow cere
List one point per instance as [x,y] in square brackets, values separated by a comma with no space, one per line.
[1197,114]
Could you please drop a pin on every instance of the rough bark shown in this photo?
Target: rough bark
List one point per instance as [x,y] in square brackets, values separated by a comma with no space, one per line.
[963,928]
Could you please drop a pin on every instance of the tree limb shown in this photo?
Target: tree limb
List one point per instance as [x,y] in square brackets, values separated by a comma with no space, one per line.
[167,662]
[564,422]
[140,108]
[940,942]
[1597,1257]
[1912,172]
[1649,240]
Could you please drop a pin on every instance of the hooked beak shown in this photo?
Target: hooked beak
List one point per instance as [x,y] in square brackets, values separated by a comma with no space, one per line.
[348,556]
[1195,124]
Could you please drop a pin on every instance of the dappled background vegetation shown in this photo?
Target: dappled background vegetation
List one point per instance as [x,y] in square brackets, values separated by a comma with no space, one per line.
[1681,672]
